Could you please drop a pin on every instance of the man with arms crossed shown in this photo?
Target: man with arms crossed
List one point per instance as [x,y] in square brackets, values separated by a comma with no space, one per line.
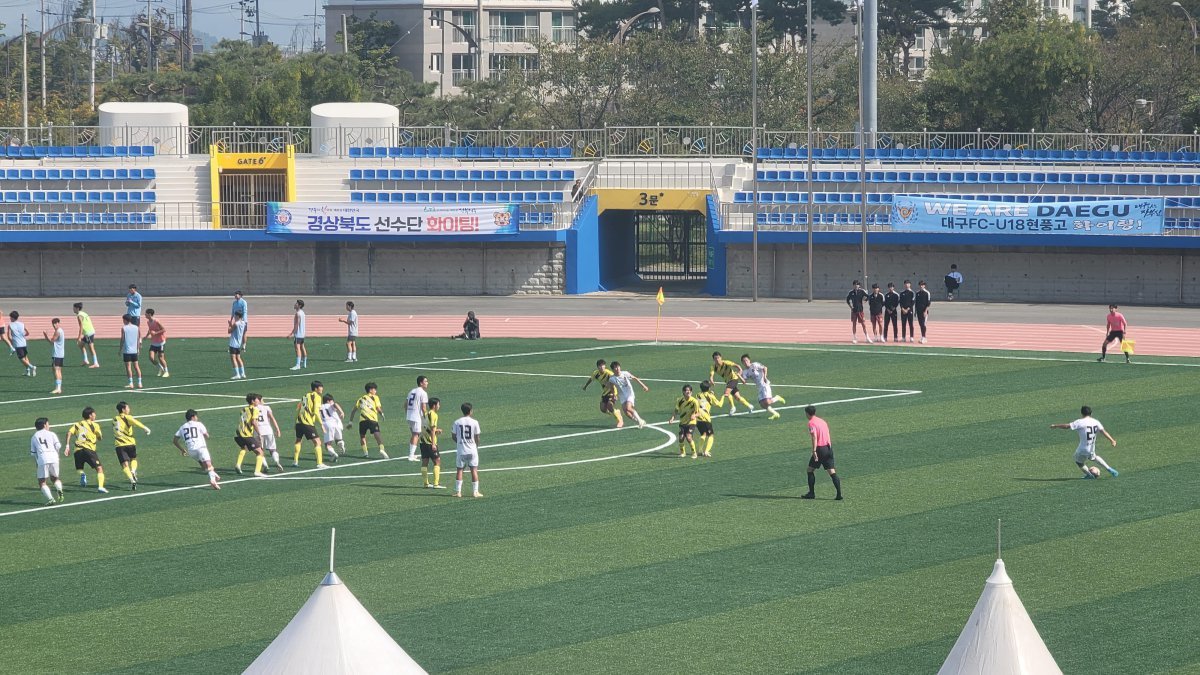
[1088,428]
[822,454]
[908,300]
[58,352]
[297,336]
[44,447]
[466,436]
[239,305]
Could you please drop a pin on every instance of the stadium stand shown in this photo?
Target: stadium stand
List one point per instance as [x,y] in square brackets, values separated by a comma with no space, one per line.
[979,155]
[78,151]
[461,152]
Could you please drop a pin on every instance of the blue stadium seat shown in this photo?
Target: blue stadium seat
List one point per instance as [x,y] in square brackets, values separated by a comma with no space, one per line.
[356,174]
[356,197]
[355,152]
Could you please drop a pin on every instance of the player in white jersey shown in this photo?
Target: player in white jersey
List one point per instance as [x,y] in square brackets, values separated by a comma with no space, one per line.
[415,407]
[131,342]
[466,438]
[195,437]
[1088,428]
[44,447]
[58,351]
[299,330]
[756,373]
[351,322]
[18,336]
[332,417]
[267,430]
[623,380]
[237,344]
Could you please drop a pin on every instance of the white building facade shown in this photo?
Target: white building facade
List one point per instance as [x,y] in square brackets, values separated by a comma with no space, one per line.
[434,51]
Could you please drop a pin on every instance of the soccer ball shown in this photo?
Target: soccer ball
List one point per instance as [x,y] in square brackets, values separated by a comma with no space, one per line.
[1095,471]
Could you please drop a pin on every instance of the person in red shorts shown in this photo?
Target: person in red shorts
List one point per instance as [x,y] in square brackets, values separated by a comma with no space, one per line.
[1116,331]
[854,300]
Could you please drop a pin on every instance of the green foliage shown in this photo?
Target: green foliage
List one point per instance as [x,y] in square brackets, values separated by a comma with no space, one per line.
[903,20]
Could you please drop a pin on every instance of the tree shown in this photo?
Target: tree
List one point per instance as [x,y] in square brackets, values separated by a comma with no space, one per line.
[904,20]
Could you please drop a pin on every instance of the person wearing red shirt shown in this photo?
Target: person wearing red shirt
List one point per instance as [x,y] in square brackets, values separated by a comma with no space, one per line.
[1116,331]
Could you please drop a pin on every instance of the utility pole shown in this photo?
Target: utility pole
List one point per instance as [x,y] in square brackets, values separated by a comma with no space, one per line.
[92,58]
[187,33]
[150,36]
[24,80]
[42,44]
[258,36]
[345,36]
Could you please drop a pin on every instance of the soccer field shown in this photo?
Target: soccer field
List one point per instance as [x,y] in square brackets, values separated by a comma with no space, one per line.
[601,551]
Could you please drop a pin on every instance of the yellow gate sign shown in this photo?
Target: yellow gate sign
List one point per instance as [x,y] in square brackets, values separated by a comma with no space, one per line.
[651,200]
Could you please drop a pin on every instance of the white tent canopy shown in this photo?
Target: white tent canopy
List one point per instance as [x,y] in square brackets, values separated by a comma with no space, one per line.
[333,634]
[999,638]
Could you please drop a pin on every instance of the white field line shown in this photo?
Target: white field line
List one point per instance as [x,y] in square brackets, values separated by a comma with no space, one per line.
[178,413]
[300,473]
[918,351]
[310,374]
[650,379]
[171,393]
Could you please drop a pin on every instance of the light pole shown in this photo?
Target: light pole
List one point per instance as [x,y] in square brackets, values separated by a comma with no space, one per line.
[862,133]
[624,26]
[472,43]
[24,38]
[754,143]
[1191,24]
[808,95]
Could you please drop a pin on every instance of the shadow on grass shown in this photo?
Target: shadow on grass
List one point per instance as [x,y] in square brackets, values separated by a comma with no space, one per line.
[1045,480]
[761,496]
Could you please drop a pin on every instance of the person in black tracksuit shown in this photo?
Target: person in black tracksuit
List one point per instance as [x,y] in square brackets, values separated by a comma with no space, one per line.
[907,300]
[875,300]
[891,300]
[923,301]
[854,300]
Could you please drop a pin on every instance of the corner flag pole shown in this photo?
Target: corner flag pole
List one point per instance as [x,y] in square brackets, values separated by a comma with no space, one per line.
[658,323]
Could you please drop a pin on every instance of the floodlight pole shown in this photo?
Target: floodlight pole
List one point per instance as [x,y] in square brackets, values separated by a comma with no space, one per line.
[332,541]
[808,92]
[754,143]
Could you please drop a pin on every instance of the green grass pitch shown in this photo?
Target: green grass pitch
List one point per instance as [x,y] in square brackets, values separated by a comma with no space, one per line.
[646,563]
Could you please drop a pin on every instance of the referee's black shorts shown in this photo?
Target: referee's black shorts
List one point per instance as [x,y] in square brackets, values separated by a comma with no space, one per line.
[824,458]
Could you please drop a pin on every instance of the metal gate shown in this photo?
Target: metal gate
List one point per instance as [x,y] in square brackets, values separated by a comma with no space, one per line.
[244,195]
[671,246]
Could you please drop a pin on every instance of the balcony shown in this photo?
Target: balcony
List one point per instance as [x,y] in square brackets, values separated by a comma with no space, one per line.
[565,34]
[514,34]
[460,77]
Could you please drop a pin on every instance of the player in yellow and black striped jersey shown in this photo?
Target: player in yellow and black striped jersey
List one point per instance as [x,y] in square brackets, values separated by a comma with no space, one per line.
[87,434]
[731,374]
[126,445]
[686,409]
[428,443]
[308,415]
[246,436]
[608,392]
[704,425]
[370,410]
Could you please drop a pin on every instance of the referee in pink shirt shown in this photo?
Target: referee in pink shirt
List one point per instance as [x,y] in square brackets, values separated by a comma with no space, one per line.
[1116,331]
[822,454]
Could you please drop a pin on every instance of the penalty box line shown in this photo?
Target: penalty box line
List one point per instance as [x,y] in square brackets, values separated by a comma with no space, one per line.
[299,473]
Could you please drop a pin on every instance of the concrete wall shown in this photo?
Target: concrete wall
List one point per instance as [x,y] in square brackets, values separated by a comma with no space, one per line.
[283,268]
[1006,274]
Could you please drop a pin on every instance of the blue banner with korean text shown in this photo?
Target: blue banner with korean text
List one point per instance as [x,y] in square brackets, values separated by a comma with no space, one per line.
[390,219]
[1094,216]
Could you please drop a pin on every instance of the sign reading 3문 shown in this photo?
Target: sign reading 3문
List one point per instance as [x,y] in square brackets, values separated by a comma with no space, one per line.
[1094,216]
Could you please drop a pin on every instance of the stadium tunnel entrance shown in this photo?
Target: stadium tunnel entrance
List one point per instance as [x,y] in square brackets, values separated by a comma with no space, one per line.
[653,238]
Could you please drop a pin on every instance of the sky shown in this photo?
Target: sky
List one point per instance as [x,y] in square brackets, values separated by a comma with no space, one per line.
[283,21]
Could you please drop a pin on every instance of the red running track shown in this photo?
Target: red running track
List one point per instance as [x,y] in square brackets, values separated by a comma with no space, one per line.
[1154,341]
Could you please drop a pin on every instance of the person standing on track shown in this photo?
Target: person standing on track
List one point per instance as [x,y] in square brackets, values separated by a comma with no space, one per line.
[908,300]
[58,352]
[44,447]
[891,300]
[854,300]
[1115,322]
[87,336]
[608,395]
[822,454]
[875,302]
[157,334]
[921,305]
[415,407]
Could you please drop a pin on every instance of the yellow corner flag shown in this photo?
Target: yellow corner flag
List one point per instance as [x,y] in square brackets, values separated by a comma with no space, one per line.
[660,297]
[658,321]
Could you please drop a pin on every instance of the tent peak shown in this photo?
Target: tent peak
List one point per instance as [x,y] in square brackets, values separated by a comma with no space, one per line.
[999,575]
[332,579]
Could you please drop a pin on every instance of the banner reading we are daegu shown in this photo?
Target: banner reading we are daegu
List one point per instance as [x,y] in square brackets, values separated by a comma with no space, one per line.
[1094,216]
[390,219]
